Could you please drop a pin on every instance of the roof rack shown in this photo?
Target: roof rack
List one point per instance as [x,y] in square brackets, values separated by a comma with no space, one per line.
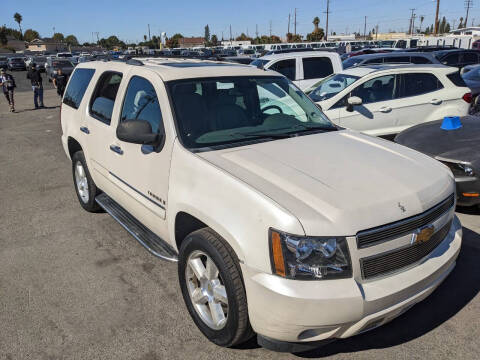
[134,62]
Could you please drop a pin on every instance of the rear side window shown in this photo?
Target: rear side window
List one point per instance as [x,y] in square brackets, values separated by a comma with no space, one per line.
[141,103]
[470,58]
[419,83]
[77,86]
[456,79]
[317,67]
[397,59]
[286,68]
[452,59]
[103,99]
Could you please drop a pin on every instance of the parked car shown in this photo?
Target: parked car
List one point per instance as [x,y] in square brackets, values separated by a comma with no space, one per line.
[458,149]
[53,64]
[303,68]
[3,62]
[16,63]
[395,58]
[457,57]
[384,100]
[471,77]
[39,61]
[62,55]
[282,224]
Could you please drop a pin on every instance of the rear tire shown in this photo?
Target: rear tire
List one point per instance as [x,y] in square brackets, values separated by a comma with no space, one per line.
[85,188]
[217,300]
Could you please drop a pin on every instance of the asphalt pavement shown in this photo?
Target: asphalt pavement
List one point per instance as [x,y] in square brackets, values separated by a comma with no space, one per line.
[75,285]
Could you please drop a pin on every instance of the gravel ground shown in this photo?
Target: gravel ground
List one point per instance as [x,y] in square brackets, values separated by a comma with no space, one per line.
[75,285]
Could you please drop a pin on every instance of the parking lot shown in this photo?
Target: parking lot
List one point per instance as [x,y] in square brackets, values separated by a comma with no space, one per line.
[75,285]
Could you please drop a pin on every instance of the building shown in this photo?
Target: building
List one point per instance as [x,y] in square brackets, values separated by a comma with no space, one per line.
[46,45]
[14,44]
[228,43]
[472,30]
[189,42]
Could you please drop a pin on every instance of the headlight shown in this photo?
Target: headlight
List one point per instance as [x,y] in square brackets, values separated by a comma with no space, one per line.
[459,169]
[309,258]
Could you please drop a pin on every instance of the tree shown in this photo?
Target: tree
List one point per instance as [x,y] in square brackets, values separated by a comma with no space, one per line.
[30,35]
[71,40]
[3,36]
[111,42]
[243,37]
[443,23]
[173,42]
[18,18]
[274,39]
[214,40]
[421,22]
[58,37]
[461,25]
[207,35]
[447,28]
[316,21]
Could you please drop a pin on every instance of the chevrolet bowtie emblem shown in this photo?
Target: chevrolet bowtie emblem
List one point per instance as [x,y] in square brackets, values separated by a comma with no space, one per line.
[422,235]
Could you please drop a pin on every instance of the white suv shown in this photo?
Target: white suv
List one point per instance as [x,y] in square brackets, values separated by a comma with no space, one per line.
[281,224]
[384,100]
[304,68]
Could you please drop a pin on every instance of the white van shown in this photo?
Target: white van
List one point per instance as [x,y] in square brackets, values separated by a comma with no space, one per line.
[303,68]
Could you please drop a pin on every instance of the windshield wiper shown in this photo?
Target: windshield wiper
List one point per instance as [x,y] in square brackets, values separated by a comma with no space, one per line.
[262,135]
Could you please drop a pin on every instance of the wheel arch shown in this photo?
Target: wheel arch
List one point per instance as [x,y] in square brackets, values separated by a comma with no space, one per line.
[73,146]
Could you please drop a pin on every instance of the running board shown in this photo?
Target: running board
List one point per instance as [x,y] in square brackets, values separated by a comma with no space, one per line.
[144,236]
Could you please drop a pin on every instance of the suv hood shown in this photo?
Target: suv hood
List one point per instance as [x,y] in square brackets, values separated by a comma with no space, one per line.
[341,182]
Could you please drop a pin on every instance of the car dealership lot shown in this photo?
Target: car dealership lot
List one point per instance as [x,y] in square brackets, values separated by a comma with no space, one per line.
[76,285]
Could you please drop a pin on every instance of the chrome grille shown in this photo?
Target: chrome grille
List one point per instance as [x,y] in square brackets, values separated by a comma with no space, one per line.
[401,258]
[400,228]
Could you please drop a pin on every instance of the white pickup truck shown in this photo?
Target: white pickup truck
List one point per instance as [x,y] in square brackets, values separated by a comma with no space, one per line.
[282,224]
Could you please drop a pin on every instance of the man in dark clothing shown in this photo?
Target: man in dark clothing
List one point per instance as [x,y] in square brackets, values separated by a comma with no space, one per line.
[60,82]
[7,82]
[36,79]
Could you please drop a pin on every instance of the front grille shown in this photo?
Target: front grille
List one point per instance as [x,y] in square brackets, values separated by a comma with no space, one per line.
[397,229]
[403,257]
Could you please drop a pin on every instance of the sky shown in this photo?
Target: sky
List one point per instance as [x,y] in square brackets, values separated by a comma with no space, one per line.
[129,19]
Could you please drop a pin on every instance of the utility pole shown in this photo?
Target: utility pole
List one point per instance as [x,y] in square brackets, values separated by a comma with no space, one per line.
[468,5]
[295,22]
[54,30]
[376,32]
[230,33]
[326,25]
[436,18]
[413,23]
[270,28]
[365,29]
[149,38]
[473,20]
[288,29]
[410,28]
[256,30]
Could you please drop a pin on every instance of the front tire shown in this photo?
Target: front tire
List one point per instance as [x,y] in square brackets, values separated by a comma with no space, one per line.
[212,288]
[85,188]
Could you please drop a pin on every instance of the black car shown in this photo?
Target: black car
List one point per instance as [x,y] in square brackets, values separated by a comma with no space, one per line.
[16,63]
[458,57]
[458,149]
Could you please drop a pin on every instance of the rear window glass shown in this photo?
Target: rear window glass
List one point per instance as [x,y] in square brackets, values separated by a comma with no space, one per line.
[456,78]
[317,67]
[420,83]
[77,86]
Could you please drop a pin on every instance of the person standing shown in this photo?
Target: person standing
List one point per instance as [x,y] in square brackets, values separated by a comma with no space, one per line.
[60,82]
[36,79]
[7,82]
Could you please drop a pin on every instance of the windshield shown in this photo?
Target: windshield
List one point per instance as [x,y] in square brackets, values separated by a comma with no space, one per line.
[352,61]
[62,64]
[259,62]
[386,43]
[331,86]
[40,59]
[64,55]
[230,111]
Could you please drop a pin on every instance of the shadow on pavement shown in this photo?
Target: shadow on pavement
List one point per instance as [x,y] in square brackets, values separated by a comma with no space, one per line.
[33,109]
[449,298]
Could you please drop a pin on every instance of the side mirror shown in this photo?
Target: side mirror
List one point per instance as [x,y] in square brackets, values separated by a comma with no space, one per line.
[353,101]
[137,132]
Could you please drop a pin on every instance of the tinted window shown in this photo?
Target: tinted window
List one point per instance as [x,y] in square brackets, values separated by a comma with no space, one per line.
[470,58]
[103,99]
[452,59]
[317,67]
[378,89]
[353,61]
[141,103]
[397,59]
[419,60]
[419,83]
[285,67]
[77,86]
[374,61]
[456,78]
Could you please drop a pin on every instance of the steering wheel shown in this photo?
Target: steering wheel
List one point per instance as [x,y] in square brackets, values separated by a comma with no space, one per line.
[272,107]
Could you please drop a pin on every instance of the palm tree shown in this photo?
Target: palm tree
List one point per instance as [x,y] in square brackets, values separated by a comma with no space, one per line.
[316,21]
[421,22]
[18,18]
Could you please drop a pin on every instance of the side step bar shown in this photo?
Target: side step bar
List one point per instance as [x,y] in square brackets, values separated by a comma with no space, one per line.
[144,236]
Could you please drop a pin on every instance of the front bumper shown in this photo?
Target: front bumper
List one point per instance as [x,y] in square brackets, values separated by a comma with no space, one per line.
[303,311]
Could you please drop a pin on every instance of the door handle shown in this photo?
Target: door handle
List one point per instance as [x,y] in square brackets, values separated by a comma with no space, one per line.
[85,130]
[435,101]
[117,149]
[385,109]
